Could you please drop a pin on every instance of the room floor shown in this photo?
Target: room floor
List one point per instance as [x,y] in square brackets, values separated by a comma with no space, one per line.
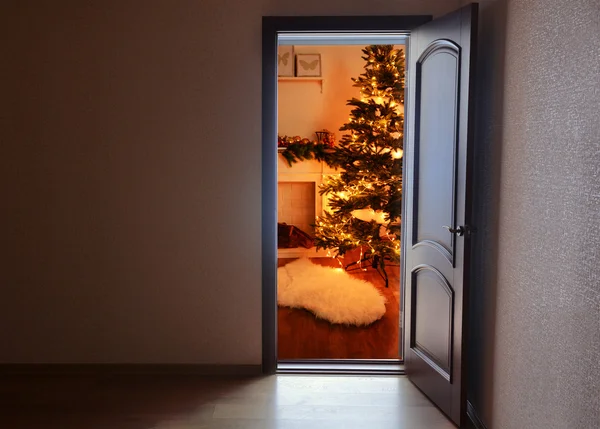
[300,335]
[193,402]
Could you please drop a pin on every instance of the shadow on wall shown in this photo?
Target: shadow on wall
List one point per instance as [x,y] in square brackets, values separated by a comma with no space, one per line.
[488,147]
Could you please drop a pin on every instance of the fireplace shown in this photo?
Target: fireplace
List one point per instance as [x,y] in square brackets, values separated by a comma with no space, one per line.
[298,200]
[296,204]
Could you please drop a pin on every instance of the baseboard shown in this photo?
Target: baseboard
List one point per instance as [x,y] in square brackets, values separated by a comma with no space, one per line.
[341,367]
[474,417]
[131,369]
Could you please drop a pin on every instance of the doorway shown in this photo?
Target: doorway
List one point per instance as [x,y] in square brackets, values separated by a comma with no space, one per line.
[437,172]
[340,139]
[304,34]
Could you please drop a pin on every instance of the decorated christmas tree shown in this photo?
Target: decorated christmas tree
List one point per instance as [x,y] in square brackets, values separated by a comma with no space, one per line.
[365,197]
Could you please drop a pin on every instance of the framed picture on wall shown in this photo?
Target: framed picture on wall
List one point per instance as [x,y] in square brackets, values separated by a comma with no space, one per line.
[308,65]
[285,61]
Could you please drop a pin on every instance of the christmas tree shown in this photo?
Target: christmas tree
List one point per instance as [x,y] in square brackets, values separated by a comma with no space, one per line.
[365,198]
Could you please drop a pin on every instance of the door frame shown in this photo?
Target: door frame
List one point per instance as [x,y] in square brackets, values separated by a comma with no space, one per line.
[271,27]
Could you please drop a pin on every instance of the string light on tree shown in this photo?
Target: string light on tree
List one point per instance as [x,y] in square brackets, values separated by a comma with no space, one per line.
[365,198]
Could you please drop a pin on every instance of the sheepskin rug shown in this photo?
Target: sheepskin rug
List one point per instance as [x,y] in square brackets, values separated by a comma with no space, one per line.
[329,293]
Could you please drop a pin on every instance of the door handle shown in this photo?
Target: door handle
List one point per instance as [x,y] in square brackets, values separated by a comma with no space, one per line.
[459,230]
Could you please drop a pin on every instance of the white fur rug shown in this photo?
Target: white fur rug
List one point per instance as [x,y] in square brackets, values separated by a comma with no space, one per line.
[329,293]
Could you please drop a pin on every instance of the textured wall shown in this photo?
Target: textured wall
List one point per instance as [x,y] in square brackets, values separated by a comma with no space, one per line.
[547,348]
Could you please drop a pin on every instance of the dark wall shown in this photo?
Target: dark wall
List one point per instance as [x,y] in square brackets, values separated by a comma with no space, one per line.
[488,152]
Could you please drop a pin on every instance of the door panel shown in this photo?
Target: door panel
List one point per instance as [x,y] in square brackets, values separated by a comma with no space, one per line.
[432,337]
[436,133]
[437,176]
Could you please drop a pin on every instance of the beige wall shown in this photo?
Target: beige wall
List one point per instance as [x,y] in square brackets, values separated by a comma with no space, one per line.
[304,109]
[130,162]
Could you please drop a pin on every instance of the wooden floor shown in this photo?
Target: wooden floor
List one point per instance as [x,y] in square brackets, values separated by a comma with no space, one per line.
[300,335]
[178,402]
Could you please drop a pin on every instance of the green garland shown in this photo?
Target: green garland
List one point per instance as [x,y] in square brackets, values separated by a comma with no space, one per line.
[296,152]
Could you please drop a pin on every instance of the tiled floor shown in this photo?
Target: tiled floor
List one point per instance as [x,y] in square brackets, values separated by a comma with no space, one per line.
[178,402]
